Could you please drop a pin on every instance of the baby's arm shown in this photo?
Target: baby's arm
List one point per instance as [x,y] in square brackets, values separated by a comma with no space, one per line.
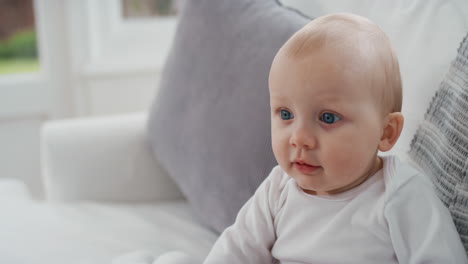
[421,228]
[251,237]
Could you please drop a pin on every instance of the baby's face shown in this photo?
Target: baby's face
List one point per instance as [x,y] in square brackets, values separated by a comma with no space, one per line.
[326,123]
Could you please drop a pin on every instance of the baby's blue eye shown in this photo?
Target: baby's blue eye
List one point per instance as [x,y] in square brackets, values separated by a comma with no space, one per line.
[329,118]
[286,115]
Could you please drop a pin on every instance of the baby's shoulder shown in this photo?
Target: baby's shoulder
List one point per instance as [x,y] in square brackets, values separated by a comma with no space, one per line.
[400,177]
[276,182]
[276,185]
[398,173]
[278,178]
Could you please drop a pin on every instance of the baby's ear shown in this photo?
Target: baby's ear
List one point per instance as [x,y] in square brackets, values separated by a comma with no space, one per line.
[391,131]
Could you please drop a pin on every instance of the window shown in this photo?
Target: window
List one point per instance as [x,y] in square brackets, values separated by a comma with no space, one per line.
[18,49]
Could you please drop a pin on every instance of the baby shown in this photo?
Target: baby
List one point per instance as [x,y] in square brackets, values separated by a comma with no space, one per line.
[335,96]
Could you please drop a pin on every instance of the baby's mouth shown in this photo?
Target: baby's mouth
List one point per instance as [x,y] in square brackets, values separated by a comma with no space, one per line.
[304,167]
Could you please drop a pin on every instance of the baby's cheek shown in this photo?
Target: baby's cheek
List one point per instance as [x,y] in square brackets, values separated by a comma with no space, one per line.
[279,148]
[343,158]
[276,151]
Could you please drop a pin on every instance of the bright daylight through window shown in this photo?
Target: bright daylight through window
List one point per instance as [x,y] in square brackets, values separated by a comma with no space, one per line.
[18,49]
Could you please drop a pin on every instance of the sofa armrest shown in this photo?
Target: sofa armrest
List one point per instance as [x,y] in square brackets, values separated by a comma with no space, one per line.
[102,159]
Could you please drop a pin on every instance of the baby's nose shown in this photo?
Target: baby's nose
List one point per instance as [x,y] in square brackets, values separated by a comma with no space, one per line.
[303,137]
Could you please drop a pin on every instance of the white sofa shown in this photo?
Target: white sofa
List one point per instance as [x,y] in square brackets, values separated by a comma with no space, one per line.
[108,201]
[132,206]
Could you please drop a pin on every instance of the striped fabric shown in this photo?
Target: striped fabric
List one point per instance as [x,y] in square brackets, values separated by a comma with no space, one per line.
[440,146]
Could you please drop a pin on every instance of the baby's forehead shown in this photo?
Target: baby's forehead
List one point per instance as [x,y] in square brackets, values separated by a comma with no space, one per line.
[355,46]
[344,33]
[336,71]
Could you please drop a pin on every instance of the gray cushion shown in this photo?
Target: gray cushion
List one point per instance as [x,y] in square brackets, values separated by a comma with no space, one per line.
[440,145]
[209,126]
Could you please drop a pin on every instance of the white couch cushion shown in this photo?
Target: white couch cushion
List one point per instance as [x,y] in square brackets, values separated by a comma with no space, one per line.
[105,158]
[91,233]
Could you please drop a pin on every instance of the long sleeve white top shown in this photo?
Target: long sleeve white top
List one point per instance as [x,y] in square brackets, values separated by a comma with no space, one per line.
[393,217]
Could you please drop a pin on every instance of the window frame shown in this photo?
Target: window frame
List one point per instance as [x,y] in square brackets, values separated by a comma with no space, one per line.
[109,37]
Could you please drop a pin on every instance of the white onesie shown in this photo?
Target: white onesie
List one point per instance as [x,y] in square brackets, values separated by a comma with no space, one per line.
[393,217]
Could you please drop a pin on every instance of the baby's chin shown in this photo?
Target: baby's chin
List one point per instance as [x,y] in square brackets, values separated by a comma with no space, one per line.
[308,188]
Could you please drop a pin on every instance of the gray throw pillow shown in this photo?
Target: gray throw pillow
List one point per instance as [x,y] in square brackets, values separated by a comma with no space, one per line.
[209,126]
[440,145]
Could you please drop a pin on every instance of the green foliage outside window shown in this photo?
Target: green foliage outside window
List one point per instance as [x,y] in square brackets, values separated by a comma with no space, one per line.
[18,53]
[20,45]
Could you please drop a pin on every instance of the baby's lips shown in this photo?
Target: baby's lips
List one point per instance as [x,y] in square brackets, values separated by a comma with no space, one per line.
[302,162]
